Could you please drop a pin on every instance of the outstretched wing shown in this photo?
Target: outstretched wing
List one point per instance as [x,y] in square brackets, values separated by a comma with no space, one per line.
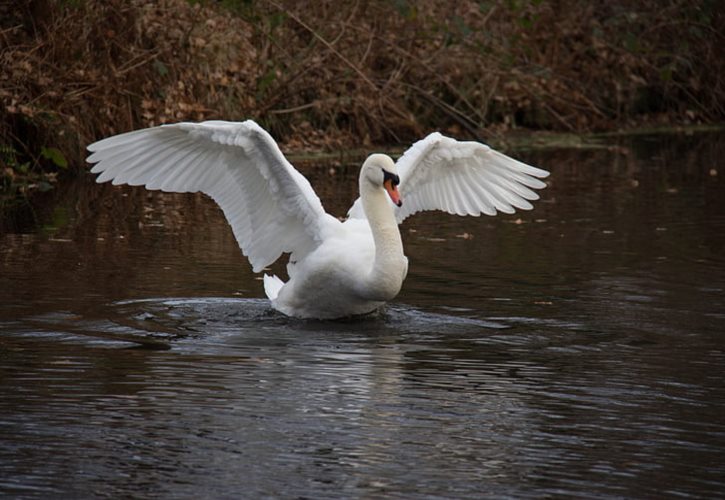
[461,178]
[464,178]
[271,207]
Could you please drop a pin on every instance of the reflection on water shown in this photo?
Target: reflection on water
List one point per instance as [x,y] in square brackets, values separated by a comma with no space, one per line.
[574,350]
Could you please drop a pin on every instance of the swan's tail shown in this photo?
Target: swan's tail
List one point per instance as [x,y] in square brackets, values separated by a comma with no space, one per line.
[272,285]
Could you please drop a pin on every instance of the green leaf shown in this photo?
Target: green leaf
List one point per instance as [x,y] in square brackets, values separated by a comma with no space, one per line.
[461,26]
[666,73]
[160,68]
[405,9]
[54,155]
[265,81]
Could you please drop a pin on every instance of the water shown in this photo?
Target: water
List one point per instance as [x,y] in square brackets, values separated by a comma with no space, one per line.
[576,350]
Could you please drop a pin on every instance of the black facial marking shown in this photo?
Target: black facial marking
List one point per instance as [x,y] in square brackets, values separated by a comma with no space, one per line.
[390,176]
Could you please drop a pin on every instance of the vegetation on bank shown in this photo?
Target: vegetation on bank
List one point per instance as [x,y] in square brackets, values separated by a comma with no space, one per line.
[328,74]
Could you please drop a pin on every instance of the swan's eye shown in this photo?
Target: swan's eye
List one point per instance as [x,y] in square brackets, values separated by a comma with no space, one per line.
[389,176]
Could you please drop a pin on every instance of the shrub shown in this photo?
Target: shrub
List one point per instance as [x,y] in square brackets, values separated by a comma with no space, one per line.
[330,74]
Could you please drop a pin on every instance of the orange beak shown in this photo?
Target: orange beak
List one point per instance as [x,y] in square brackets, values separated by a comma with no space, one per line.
[393,192]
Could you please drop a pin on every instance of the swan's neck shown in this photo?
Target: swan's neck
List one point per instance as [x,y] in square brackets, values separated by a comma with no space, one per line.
[390,266]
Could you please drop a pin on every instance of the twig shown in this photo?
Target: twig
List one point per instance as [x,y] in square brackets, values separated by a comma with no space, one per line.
[327,44]
[470,125]
[295,109]
[436,74]
[143,60]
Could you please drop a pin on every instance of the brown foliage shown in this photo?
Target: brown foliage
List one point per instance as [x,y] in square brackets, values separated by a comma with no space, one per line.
[331,74]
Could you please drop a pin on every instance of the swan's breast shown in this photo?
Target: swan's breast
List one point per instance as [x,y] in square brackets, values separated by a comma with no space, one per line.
[327,282]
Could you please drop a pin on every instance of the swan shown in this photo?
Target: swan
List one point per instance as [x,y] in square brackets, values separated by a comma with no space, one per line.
[336,268]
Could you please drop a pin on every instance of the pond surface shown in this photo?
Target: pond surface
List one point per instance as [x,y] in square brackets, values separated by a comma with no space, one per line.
[575,350]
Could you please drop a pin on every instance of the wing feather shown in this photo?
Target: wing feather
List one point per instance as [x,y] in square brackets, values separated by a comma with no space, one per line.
[485,205]
[271,207]
[523,179]
[469,194]
[464,178]
[162,156]
[457,196]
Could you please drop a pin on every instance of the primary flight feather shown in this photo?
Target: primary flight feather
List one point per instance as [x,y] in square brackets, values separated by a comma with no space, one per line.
[336,269]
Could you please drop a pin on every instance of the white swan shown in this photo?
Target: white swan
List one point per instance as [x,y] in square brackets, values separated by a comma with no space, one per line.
[336,269]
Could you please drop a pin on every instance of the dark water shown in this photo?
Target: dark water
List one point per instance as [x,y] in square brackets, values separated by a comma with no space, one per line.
[576,350]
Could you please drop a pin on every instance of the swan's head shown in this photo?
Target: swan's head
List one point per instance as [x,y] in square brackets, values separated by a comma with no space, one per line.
[379,170]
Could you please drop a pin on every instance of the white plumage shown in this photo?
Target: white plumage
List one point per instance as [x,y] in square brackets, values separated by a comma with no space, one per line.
[336,269]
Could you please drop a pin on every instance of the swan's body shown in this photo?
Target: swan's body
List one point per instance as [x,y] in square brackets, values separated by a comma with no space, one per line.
[336,269]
